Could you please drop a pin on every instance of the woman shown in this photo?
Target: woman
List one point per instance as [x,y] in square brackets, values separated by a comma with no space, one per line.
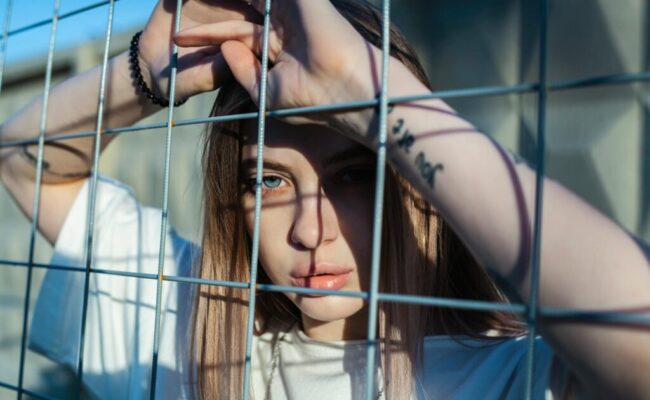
[317,186]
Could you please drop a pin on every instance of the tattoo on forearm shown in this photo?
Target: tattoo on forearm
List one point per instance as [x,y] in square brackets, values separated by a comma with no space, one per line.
[406,141]
[427,170]
[47,166]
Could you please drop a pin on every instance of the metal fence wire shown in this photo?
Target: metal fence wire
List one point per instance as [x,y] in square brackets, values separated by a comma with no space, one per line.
[530,312]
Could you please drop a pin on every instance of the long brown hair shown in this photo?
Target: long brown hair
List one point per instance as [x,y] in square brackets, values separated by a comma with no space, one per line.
[420,256]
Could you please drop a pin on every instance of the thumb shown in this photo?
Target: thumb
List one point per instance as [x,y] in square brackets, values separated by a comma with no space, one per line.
[244,66]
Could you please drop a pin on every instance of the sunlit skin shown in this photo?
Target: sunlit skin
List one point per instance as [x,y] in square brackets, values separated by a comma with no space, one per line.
[318,188]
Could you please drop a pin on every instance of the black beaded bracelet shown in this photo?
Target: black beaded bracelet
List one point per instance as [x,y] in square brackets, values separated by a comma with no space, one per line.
[138,79]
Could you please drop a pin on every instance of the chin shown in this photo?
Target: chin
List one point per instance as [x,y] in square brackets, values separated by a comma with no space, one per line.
[329,308]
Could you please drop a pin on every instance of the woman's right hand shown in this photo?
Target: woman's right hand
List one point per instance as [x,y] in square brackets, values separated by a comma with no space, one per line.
[199,69]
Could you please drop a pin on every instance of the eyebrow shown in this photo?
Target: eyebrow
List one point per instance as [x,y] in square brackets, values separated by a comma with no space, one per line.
[251,163]
[352,153]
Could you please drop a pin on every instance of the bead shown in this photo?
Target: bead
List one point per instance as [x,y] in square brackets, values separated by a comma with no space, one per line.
[141,85]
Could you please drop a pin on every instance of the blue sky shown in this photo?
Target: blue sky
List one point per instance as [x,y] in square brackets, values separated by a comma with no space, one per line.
[73,30]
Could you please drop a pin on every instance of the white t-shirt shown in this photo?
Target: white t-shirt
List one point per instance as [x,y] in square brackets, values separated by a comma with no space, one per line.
[120,319]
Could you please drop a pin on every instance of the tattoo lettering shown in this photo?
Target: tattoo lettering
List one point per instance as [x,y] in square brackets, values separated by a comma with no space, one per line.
[398,126]
[427,170]
[407,140]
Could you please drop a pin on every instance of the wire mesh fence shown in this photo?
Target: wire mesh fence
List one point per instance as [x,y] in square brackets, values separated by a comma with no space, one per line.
[530,311]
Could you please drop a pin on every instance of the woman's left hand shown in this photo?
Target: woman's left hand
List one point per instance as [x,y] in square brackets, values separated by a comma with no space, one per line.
[317,57]
[200,69]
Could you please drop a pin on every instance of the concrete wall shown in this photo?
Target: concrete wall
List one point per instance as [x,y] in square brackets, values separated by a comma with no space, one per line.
[597,139]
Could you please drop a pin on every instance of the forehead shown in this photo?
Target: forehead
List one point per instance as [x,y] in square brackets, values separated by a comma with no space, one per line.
[315,143]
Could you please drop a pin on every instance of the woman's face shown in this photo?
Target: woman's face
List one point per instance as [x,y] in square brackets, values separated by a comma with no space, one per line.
[316,220]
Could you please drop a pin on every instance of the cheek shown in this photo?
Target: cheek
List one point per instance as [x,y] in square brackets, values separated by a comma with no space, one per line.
[274,254]
[355,212]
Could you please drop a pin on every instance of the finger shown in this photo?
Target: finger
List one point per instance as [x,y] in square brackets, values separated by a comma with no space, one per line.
[222,9]
[205,71]
[244,65]
[248,33]
[203,51]
[234,9]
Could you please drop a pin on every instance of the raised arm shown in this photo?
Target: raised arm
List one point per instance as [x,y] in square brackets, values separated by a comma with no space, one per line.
[588,262]
[73,107]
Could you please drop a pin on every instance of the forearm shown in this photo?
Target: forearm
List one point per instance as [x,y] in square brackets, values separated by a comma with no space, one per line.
[587,261]
[72,107]
[489,199]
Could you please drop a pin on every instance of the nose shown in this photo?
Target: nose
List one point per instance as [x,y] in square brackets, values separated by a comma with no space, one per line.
[315,222]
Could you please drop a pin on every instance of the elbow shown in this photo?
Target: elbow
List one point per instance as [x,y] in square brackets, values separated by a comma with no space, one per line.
[632,383]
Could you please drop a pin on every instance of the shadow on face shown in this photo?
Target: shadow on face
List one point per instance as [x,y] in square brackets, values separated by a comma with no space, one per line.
[317,202]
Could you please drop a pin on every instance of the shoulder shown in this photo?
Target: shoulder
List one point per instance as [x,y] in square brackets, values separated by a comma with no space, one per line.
[126,234]
[463,367]
[483,347]
[122,294]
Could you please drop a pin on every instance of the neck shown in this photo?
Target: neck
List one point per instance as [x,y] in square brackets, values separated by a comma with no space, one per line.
[352,328]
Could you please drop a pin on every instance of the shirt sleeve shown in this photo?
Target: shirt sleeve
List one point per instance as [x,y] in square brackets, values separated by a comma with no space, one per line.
[121,307]
[483,369]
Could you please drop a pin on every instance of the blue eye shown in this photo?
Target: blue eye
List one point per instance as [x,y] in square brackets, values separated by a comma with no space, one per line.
[271,182]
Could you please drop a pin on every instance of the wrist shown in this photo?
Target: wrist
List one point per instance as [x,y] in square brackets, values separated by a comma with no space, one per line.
[146,62]
[362,124]
[129,97]
[140,69]
[147,76]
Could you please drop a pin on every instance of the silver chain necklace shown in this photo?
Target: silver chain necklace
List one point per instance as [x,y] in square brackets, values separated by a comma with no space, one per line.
[275,359]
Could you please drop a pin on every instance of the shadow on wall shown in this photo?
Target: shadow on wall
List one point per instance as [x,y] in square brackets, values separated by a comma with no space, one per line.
[597,140]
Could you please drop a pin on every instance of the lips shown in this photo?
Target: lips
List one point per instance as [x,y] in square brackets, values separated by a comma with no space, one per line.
[320,276]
